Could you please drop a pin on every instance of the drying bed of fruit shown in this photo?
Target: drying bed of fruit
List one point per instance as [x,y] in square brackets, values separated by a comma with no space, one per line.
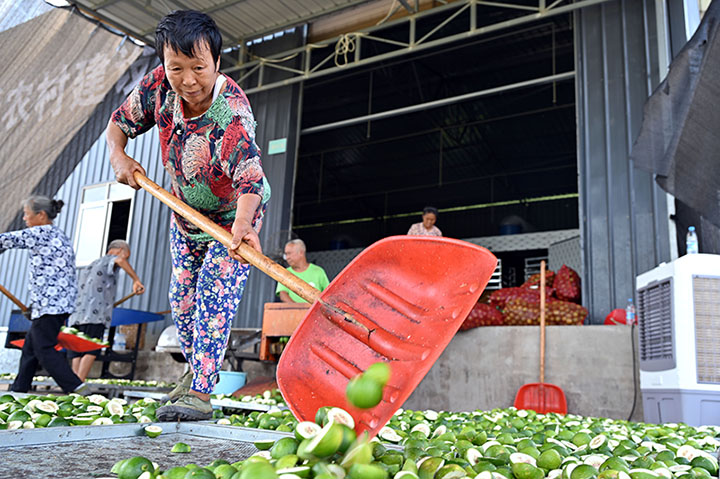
[497,444]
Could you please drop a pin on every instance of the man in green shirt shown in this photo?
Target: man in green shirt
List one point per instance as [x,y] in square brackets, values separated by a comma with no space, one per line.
[299,266]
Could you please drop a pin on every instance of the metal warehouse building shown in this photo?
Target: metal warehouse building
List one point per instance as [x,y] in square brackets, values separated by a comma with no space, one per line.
[516,114]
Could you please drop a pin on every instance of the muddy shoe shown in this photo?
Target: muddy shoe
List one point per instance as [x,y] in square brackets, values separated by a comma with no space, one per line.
[182,388]
[188,408]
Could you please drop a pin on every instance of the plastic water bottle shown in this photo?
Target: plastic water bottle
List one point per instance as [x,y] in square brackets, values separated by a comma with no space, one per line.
[630,312]
[691,241]
[119,342]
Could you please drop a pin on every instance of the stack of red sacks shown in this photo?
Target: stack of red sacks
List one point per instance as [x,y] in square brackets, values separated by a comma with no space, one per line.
[521,306]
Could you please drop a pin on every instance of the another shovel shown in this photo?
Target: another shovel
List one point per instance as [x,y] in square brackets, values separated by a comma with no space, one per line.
[541,397]
[67,341]
[400,301]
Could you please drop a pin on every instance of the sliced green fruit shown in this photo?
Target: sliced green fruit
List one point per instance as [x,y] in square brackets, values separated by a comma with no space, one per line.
[180,448]
[389,434]
[340,416]
[521,457]
[306,430]
[327,442]
[153,431]
[429,466]
[58,422]
[360,452]
[264,444]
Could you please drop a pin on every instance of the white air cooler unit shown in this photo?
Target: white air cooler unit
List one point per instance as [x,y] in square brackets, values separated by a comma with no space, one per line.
[678,310]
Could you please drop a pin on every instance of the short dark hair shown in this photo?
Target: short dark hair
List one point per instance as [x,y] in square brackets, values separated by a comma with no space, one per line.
[430,209]
[184,30]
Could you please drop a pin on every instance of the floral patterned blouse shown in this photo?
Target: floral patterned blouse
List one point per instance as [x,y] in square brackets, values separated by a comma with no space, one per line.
[418,229]
[52,282]
[212,159]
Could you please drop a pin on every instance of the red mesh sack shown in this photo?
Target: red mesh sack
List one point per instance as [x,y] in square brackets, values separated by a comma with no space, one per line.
[567,285]
[522,312]
[500,297]
[565,313]
[534,280]
[482,315]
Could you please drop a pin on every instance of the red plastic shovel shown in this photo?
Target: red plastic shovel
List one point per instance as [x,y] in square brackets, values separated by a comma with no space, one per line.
[400,301]
[541,397]
[67,341]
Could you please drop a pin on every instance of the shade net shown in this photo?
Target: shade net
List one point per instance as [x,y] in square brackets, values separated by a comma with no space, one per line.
[56,69]
[679,139]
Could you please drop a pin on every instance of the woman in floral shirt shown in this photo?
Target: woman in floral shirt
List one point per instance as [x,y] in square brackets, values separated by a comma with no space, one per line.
[53,289]
[207,137]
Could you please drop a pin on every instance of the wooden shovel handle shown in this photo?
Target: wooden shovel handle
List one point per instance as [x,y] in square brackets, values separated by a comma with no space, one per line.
[12,298]
[542,321]
[259,260]
[122,300]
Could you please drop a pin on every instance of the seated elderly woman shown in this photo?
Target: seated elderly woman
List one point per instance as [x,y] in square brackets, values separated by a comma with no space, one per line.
[427,227]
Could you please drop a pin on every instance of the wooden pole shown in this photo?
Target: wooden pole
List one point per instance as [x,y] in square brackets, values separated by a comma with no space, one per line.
[542,321]
[259,260]
[12,298]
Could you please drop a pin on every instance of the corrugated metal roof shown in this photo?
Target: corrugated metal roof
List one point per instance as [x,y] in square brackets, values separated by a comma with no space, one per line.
[238,20]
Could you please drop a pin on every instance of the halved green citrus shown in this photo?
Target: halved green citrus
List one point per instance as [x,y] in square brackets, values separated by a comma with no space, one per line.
[340,416]
[180,448]
[327,441]
[153,431]
[306,430]
[364,392]
[264,444]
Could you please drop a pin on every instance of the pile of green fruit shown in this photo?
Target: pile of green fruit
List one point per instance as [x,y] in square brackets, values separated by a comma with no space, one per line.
[81,335]
[497,444]
[270,397]
[32,411]
[114,382]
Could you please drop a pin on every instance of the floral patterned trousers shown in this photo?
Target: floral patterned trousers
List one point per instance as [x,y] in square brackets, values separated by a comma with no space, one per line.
[205,290]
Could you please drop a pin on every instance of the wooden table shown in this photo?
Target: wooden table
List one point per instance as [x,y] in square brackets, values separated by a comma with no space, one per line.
[279,319]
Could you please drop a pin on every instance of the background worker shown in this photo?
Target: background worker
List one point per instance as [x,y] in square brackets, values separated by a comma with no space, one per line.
[96,295]
[427,226]
[53,288]
[207,142]
[300,267]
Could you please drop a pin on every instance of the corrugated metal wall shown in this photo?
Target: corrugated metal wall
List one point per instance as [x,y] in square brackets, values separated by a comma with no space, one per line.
[623,213]
[278,115]
[148,234]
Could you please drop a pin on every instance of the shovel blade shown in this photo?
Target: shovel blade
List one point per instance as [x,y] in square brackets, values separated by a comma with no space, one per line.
[541,398]
[400,301]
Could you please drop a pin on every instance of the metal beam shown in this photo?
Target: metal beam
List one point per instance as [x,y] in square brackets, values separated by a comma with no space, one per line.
[438,103]
[407,6]
[112,23]
[323,67]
